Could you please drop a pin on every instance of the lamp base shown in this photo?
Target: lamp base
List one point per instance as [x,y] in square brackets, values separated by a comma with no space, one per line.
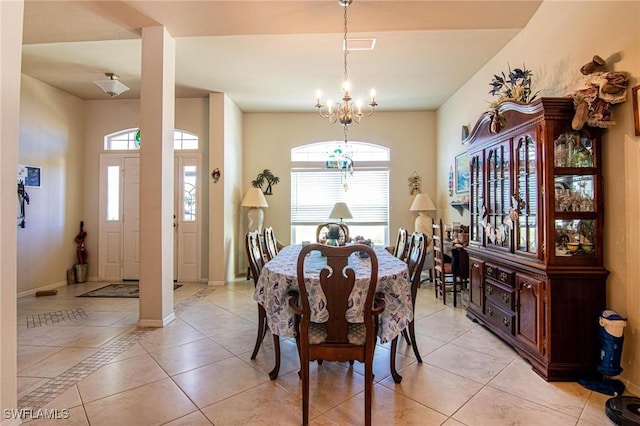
[256,217]
[424,224]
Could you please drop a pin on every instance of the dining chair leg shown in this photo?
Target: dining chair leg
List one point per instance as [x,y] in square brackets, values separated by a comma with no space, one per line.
[304,369]
[392,362]
[412,333]
[262,330]
[273,374]
[368,390]
[455,288]
[406,337]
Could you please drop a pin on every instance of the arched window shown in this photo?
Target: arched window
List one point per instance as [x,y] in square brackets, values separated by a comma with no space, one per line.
[321,177]
[130,139]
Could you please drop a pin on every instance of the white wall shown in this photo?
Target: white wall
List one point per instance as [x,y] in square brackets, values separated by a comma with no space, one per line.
[559,39]
[51,123]
[269,137]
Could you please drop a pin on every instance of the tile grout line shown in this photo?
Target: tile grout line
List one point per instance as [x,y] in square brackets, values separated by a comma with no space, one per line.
[56,386]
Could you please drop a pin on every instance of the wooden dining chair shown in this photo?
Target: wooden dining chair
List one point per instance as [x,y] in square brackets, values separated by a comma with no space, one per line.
[402,243]
[337,339]
[416,255]
[270,243]
[442,269]
[256,262]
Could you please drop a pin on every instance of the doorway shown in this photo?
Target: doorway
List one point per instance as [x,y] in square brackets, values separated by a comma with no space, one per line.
[119,248]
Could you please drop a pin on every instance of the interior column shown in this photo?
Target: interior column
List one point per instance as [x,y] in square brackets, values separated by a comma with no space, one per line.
[157,107]
[11,18]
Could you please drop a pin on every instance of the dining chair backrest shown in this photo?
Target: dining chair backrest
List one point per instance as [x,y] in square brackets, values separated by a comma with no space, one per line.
[402,241]
[336,339]
[441,268]
[416,255]
[270,243]
[254,254]
[323,229]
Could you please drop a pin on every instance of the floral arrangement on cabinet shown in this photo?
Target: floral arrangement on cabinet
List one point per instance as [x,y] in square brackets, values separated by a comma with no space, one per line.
[516,85]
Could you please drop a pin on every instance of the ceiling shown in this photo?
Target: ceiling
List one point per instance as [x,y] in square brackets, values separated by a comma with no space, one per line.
[271,55]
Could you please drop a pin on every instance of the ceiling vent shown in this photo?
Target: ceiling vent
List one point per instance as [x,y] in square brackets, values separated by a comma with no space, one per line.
[360,44]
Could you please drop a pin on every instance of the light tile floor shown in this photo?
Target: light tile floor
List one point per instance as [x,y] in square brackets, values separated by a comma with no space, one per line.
[91,363]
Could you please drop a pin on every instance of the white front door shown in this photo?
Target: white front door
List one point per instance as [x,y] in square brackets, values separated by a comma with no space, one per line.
[131,246]
[119,225]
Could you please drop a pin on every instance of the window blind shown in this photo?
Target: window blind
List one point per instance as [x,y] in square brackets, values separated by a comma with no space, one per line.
[314,193]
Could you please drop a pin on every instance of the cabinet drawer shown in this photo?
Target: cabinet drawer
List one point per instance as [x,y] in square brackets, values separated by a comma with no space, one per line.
[499,318]
[500,295]
[499,274]
[490,271]
[505,277]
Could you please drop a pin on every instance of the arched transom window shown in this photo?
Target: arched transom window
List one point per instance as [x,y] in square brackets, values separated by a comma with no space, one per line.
[130,140]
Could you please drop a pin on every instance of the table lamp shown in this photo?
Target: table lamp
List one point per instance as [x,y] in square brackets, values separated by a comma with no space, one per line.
[340,211]
[254,199]
[423,204]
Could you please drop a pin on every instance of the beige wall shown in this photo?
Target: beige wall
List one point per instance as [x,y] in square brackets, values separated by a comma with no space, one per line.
[269,137]
[558,40]
[51,123]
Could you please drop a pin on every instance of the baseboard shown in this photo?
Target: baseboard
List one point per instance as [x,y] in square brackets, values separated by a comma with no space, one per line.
[631,387]
[156,323]
[216,283]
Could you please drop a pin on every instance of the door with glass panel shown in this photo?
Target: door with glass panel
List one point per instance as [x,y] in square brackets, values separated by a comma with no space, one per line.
[119,220]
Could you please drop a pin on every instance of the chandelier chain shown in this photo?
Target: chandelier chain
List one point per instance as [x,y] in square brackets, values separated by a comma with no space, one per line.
[346,50]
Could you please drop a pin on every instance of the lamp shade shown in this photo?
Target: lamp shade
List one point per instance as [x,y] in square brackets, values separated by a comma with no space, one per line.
[340,211]
[254,198]
[112,87]
[422,203]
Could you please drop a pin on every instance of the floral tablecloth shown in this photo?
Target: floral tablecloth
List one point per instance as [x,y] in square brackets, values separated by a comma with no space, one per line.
[279,276]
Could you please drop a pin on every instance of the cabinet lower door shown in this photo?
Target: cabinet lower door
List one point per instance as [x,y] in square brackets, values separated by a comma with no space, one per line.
[475,287]
[530,312]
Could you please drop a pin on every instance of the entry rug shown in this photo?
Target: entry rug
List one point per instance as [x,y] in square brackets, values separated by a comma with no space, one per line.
[118,290]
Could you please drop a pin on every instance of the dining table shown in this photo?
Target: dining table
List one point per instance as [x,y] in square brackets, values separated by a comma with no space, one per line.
[279,277]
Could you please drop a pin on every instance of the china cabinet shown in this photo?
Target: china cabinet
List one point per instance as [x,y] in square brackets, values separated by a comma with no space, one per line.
[536,234]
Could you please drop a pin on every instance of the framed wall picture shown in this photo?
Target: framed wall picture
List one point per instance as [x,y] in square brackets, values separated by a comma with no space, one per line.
[30,176]
[635,93]
[462,173]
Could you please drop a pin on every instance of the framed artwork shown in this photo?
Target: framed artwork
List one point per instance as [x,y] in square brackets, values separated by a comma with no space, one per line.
[636,111]
[462,173]
[30,176]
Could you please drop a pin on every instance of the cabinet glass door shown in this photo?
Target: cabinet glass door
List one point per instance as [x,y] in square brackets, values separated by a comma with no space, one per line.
[476,198]
[498,202]
[575,204]
[524,205]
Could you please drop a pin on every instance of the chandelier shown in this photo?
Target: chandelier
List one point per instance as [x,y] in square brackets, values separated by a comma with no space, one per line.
[345,112]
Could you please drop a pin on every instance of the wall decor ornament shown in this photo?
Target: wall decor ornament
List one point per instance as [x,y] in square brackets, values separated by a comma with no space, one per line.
[451,181]
[215,174]
[270,179]
[415,184]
